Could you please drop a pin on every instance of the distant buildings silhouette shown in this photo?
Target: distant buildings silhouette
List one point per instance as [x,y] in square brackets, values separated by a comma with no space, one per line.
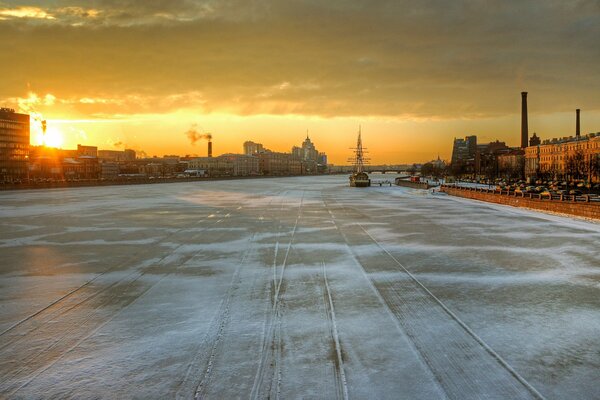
[569,157]
[20,162]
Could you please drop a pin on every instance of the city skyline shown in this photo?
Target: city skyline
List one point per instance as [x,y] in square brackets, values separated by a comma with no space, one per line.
[414,76]
[300,199]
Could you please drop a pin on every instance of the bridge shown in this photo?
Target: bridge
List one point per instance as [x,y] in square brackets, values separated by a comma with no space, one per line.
[384,169]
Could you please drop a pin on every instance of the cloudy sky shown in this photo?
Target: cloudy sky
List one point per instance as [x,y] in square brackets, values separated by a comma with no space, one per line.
[415,74]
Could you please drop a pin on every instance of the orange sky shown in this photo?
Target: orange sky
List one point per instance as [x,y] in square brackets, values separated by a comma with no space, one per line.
[138,74]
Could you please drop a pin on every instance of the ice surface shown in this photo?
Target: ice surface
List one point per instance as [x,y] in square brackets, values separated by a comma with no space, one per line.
[293,288]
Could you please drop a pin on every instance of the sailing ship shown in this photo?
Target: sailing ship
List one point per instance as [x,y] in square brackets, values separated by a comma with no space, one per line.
[359,177]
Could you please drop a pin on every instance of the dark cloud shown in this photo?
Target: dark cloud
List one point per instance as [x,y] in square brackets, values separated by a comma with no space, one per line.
[429,59]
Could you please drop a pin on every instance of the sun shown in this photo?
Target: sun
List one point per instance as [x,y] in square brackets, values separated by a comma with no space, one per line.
[53,137]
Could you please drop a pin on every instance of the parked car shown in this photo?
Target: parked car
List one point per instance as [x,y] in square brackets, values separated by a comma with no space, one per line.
[548,193]
[575,192]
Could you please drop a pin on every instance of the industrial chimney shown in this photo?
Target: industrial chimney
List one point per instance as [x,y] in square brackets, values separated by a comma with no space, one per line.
[577,124]
[210,148]
[524,124]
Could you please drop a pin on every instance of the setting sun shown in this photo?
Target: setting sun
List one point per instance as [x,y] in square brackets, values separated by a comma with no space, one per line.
[53,137]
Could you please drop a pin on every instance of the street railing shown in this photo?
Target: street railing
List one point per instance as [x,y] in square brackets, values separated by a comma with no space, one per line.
[585,198]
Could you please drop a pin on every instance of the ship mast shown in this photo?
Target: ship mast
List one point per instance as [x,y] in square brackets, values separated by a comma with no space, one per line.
[359,159]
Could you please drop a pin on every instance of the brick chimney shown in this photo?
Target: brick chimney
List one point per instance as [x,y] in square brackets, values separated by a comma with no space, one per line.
[210,148]
[524,124]
[577,124]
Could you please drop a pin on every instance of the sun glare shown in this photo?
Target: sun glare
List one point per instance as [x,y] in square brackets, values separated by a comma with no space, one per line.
[53,137]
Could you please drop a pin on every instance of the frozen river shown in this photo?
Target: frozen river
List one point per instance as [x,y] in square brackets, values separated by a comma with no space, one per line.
[293,288]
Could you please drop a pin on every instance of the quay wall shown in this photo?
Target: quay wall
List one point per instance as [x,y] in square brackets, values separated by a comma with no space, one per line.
[414,185]
[131,181]
[572,206]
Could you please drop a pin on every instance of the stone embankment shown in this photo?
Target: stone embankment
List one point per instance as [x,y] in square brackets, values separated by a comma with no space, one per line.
[414,185]
[124,181]
[581,206]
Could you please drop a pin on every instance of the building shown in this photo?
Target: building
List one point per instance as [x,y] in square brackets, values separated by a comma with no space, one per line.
[109,170]
[251,148]
[438,163]
[89,151]
[45,163]
[486,158]
[212,166]
[243,165]
[81,168]
[311,160]
[569,157]
[322,159]
[464,153]
[464,149]
[307,151]
[275,163]
[14,145]
[117,155]
[511,164]
[563,158]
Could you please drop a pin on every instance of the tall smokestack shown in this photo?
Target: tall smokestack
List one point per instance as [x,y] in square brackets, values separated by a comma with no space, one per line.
[524,124]
[210,148]
[577,124]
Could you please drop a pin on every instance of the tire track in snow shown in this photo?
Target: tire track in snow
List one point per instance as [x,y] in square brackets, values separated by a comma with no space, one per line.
[270,356]
[268,319]
[340,375]
[199,372]
[80,295]
[58,303]
[221,321]
[464,365]
[36,361]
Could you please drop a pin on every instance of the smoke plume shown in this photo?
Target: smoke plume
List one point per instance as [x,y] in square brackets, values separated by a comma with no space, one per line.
[194,135]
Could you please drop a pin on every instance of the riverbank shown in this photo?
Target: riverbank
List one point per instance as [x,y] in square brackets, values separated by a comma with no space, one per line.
[581,206]
[126,181]
[414,185]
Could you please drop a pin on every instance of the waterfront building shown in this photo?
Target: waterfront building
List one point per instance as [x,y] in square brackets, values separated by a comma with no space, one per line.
[566,158]
[275,163]
[243,165]
[213,166]
[552,158]
[81,168]
[487,158]
[117,155]
[109,170]
[14,145]
[510,165]
[152,169]
[89,151]
[464,152]
[307,151]
[45,163]
[464,149]
[322,159]
[252,148]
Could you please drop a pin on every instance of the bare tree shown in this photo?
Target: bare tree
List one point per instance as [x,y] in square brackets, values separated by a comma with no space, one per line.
[575,165]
